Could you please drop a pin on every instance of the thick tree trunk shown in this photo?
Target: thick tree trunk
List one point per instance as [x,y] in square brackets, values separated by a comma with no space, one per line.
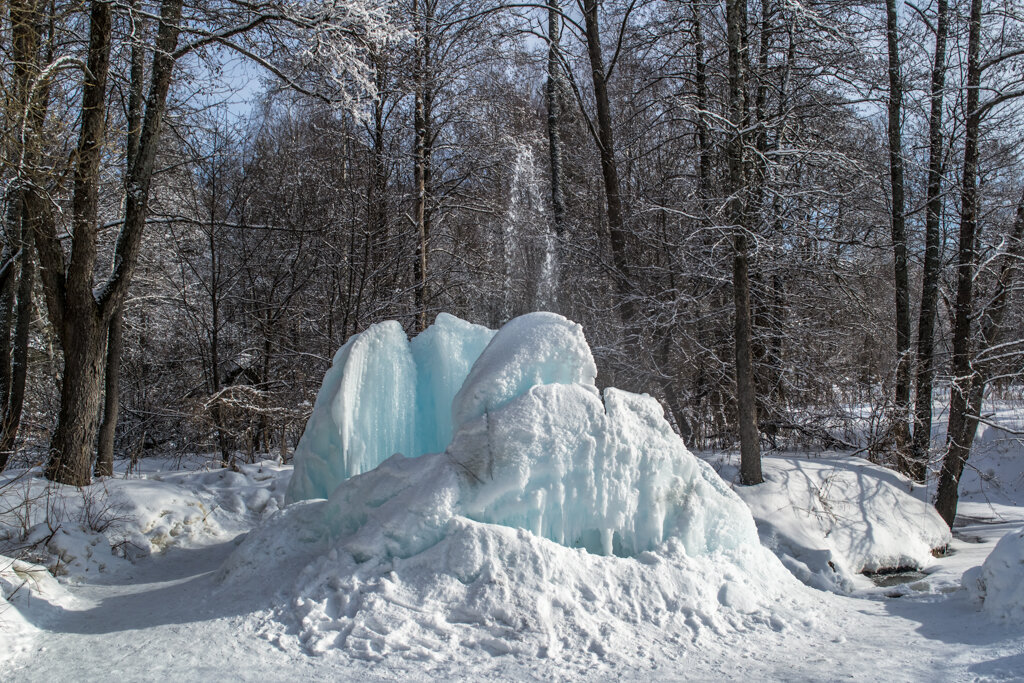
[901,400]
[739,216]
[957,449]
[71,447]
[80,315]
[932,262]
[82,327]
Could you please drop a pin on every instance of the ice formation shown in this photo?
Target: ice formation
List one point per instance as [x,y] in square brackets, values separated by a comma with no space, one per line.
[997,582]
[384,394]
[556,520]
[535,446]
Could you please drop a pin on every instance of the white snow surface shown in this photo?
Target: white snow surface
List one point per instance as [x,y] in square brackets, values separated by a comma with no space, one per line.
[831,518]
[172,615]
[384,394]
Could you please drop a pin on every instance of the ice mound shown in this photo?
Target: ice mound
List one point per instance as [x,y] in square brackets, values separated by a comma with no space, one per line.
[999,582]
[384,395]
[556,523]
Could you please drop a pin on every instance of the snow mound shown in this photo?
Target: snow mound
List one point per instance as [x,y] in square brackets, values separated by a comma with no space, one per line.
[531,350]
[78,533]
[554,524]
[28,595]
[384,395]
[999,582]
[830,519]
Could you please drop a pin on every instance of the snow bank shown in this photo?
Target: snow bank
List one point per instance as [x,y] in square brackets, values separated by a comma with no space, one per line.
[832,518]
[999,582]
[78,532]
[28,596]
[554,524]
[383,395]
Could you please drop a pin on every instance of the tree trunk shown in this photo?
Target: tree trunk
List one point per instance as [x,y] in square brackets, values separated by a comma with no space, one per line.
[901,401]
[80,315]
[115,333]
[739,216]
[701,84]
[421,158]
[554,102]
[932,262]
[82,327]
[957,449]
[217,410]
[610,171]
[17,353]
[111,397]
[992,329]
[9,273]
[71,447]
[30,101]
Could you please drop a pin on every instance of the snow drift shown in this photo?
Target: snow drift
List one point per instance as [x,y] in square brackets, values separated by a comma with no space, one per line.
[997,583]
[830,519]
[557,520]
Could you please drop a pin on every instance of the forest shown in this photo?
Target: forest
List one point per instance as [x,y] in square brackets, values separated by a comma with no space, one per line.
[797,225]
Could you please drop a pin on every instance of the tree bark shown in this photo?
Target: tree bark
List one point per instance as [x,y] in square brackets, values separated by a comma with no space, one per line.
[992,330]
[957,448]
[932,262]
[115,333]
[739,216]
[610,170]
[30,101]
[701,85]
[422,13]
[14,399]
[111,397]
[901,400]
[554,101]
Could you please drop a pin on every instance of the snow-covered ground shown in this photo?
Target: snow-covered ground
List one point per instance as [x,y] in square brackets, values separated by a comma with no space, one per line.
[169,615]
[563,532]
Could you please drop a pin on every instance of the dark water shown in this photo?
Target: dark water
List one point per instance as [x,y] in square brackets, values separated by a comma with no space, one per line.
[898,577]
